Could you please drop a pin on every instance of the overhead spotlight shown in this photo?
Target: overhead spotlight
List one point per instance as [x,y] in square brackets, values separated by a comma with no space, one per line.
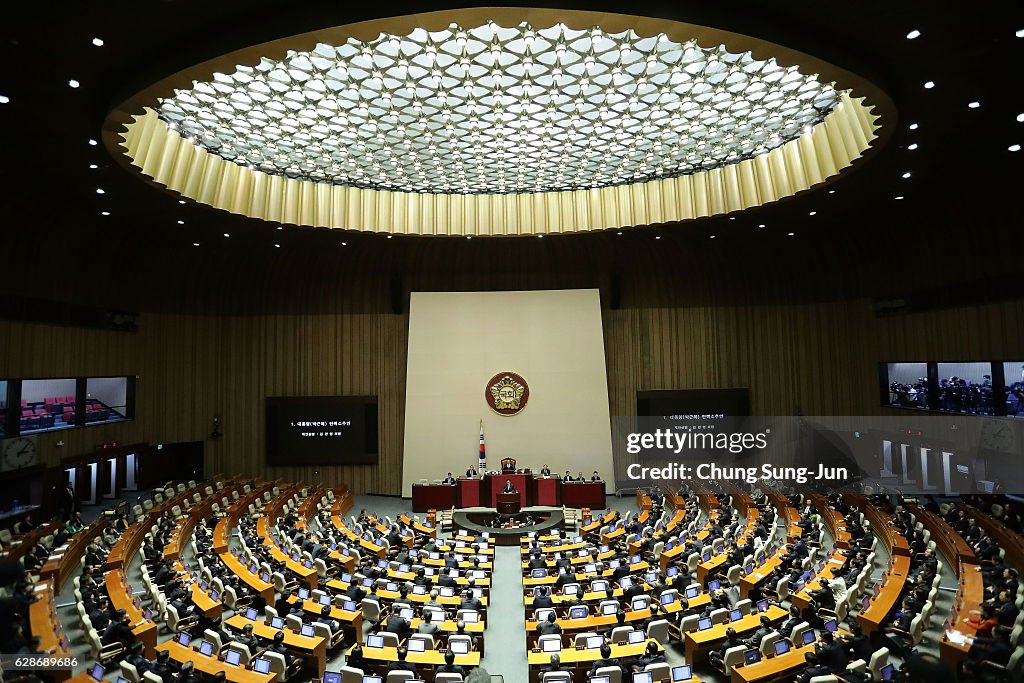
[813,213]
[790,233]
[73,83]
[280,227]
[181,201]
[93,142]
[928,85]
[712,236]
[278,246]
[100,190]
[469,237]
[913,34]
[1014,147]
[732,218]
[98,42]
[1020,33]
[104,213]
[195,244]
[1020,118]
[905,175]
[4,99]
[760,225]
[93,166]
[912,126]
[227,234]
[344,244]
[912,146]
[899,196]
[390,236]
[973,105]
[619,232]
[657,237]
[181,222]
[831,191]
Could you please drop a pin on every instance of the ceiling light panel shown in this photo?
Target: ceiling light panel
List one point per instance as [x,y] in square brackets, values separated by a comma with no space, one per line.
[499,110]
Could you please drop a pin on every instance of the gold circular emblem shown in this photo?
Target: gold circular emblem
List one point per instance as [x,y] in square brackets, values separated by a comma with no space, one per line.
[507,393]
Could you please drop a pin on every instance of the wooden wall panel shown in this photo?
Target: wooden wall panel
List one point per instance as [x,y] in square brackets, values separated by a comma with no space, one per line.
[795,355]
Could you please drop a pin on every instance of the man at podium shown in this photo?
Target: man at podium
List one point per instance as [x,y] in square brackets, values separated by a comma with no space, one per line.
[471,472]
[545,471]
[508,488]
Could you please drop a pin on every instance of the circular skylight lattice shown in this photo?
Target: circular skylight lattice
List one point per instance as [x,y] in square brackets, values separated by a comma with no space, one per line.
[492,109]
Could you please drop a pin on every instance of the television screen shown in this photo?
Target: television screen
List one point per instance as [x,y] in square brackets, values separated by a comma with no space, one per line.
[751,657]
[703,624]
[781,647]
[808,637]
[206,648]
[277,622]
[109,399]
[321,430]
[233,657]
[48,405]
[261,666]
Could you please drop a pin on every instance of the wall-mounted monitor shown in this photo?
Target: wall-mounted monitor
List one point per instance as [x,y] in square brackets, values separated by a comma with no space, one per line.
[1013,394]
[906,385]
[321,430]
[32,406]
[963,387]
[47,405]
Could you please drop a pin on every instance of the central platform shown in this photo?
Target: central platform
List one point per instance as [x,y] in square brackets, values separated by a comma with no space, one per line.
[508,529]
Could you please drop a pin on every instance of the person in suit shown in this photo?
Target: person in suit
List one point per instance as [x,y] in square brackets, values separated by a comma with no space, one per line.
[549,627]
[833,653]
[545,471]
[397,625]
[605,661]
[278,647]
[567,476]
[355,658]
[119,630]
[508,487]
[716,657]
[449,479]
[814,668]
[427,625]
[136,658]
[471,472]
[449,666]
[469,601]
[401,664]
[650,656]
[542,598]
[555,664]
[595,476]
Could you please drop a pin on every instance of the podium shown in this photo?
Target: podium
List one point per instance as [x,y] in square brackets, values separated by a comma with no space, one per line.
[547,490]
[508,503]
[493,483]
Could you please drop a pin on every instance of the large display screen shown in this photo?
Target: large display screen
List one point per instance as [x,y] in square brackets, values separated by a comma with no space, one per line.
[321,430]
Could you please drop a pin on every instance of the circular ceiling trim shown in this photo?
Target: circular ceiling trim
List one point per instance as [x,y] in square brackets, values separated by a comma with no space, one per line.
[137,136]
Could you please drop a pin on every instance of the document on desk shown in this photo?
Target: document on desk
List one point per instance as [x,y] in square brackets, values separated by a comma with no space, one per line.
[957,638]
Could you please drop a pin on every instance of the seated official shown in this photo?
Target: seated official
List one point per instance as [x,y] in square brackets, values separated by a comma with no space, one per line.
[427,625]
[545,471]
[449,479]
[650,656]
[567,476]
[555,665]
[401,664]
[605,661]
[595,476]
[549,627]
[449,666]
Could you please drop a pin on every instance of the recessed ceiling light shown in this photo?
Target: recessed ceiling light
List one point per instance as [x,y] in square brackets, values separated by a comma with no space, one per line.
[974,105]
[912,126]
[657,237]
[1014,148]
[390,236]
[181,222]
[899,196]
[831,191]
[732,218]
[712,236]
[100,190]
[280,227]
[98,42]
[4,99]
[913,34]
[344,244]
[619,232]
[1020,33]
[813,213]
[227,234]
[1020,118]
[760,225]
[541,236]
[104,213]
[93,142]
[195,244]
[181,201]
[469,237]
[905,175]
[278,246]
[928,85]
[73,83]
[790,233]
[93,166]
[912,146]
